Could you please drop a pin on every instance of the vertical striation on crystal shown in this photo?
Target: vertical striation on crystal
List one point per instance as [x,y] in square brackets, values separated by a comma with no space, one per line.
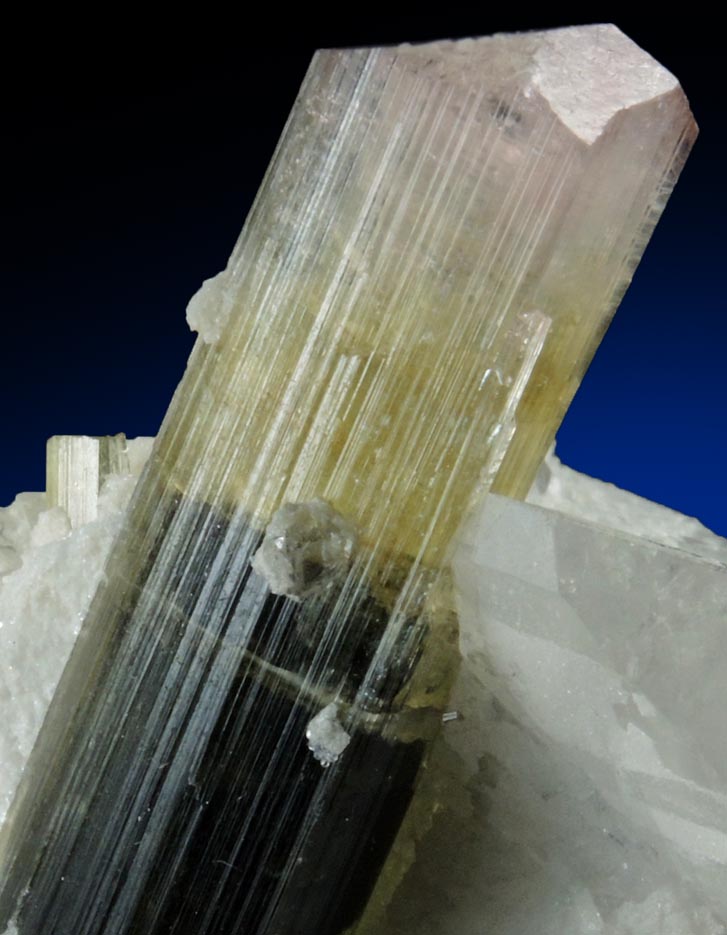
[622,129]
[433,254]
[76,468]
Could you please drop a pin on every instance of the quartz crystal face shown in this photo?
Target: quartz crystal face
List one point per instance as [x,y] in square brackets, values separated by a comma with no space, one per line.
[441,238]
[591,731]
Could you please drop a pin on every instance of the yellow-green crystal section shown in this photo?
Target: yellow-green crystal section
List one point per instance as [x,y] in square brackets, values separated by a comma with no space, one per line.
[426,217]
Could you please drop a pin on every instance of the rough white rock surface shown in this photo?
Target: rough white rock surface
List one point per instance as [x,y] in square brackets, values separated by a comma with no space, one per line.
[46,584]
[17,522]
[560,488]
[42,604]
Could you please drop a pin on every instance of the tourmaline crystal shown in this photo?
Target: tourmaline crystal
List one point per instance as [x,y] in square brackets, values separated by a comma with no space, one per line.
[77,466]
[439,242]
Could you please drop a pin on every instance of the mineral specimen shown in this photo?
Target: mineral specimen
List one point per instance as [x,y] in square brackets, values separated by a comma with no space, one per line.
[523,837]
[440,240]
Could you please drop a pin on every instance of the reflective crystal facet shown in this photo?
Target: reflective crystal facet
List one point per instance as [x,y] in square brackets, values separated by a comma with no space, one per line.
[583,787]
[439,242]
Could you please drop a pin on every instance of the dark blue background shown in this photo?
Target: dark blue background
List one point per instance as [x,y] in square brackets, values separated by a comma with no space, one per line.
[130,160]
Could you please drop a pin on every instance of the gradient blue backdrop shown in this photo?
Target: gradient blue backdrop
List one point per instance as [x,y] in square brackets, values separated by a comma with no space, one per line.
[128,170]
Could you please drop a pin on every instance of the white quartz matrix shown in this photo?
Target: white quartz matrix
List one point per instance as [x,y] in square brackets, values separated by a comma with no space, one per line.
[48,576]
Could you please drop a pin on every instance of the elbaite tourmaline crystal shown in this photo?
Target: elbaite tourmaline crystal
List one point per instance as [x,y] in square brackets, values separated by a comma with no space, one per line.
[437,247]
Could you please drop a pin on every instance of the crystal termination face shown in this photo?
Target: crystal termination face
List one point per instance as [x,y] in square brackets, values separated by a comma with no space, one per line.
[435,251]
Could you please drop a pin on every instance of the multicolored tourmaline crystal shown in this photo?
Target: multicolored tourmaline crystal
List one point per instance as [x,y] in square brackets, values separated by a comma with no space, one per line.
[437,247]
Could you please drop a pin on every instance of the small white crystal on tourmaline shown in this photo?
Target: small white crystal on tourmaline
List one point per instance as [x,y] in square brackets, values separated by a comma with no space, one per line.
[210,308]
[326,736]
[307,548]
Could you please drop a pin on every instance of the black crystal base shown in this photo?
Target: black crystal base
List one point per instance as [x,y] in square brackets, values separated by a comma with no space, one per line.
[172,791]
[273,844]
